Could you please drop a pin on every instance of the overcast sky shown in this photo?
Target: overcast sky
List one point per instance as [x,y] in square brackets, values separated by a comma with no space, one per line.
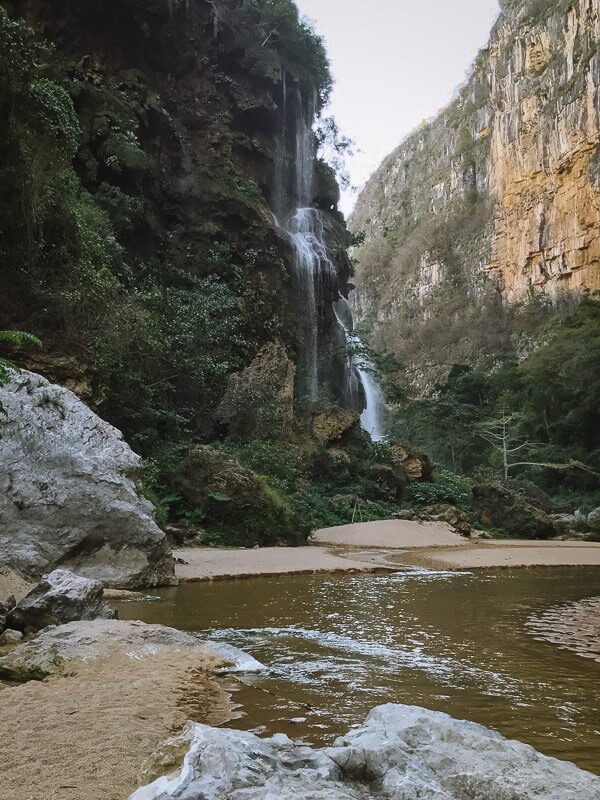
[395,63]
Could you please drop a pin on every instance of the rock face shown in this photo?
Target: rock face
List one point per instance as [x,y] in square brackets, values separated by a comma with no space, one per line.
[496,197]
[330,423]
[401,753]
[593,519]
[182,107]
[260,400]
[68,492]
[60,597]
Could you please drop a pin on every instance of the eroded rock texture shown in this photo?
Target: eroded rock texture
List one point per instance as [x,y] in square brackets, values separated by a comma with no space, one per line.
[68,493]
[494,199]
[401,753]
[60,597]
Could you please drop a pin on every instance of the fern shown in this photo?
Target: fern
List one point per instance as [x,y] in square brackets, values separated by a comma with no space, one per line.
[19,338]
[14,339]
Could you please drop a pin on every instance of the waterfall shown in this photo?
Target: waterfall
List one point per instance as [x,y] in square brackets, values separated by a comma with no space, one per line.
[361,372]
[315,273]
[305,228]
[371,418]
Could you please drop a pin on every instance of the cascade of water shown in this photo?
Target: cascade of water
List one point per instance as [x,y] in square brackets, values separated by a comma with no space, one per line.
[360,376]
[305,228]
[292,199]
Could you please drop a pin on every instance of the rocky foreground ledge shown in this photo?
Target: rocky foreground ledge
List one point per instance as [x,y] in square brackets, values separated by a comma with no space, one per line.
[112,691]
[400,753]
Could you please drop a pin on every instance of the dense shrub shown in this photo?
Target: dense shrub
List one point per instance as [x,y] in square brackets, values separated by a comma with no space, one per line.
[238,504]
[446,488]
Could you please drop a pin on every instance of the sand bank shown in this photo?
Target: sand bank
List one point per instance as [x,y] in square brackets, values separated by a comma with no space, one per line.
[87,736]
[12,584]
[208,563]
[383,546]
[507,554]
[394,533]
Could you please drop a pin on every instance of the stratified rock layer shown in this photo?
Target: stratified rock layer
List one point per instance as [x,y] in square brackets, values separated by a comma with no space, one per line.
[496,198]
[68,492]
[401,753]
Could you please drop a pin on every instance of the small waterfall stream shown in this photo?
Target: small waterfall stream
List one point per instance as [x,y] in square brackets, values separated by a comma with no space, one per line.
[361,375]
[305,228]
[314,270]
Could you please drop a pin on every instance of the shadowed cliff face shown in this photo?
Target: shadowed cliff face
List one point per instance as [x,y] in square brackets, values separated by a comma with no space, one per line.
[495,198]
[181,108]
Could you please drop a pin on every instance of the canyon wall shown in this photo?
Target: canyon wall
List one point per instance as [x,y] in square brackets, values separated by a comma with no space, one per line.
[139,239]
[495,200]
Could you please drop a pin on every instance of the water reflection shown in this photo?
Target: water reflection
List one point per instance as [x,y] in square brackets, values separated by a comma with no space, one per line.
[453,642]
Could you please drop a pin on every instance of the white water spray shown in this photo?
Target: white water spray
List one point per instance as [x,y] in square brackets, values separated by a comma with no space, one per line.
[372,417]
[314,270]
[305,228]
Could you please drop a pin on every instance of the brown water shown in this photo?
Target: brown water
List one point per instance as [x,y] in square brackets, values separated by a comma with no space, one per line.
[453,642]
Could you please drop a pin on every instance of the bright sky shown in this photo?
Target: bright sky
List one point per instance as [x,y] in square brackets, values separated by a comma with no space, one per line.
[395,63]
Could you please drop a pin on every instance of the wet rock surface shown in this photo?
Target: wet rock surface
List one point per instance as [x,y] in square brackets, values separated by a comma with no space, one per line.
[68,493]
[56,646]
[61,597]
[400,753]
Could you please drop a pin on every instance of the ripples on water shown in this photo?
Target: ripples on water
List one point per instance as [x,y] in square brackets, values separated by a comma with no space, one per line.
[454,642]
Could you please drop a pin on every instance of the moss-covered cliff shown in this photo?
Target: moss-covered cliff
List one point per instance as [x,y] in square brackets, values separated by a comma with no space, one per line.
[153,156]
[493,201]
[137,172]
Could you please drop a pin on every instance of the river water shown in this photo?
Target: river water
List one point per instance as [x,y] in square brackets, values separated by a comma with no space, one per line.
[455,642]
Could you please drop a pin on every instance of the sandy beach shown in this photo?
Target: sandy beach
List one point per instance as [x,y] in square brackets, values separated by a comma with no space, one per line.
[383,546]
[87,735]
[13,585]
[208,563]
[504,554]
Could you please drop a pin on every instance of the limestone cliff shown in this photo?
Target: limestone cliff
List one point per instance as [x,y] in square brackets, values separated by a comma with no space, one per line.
[496,198]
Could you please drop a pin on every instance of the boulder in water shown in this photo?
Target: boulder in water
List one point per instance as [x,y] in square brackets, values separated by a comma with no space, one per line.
[68,493]
[60,597]
[400,753]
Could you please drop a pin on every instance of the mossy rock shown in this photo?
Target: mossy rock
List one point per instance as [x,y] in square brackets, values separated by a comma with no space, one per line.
[237,503]
[507,509]
[20,675]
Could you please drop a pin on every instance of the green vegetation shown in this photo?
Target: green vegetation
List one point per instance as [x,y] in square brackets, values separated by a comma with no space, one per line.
[136,239]
[534,10]
[545,410]
[272,33]
[13,339]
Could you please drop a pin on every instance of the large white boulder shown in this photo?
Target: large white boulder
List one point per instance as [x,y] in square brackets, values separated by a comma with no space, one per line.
[68,492]
[58,646]
[400,753]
